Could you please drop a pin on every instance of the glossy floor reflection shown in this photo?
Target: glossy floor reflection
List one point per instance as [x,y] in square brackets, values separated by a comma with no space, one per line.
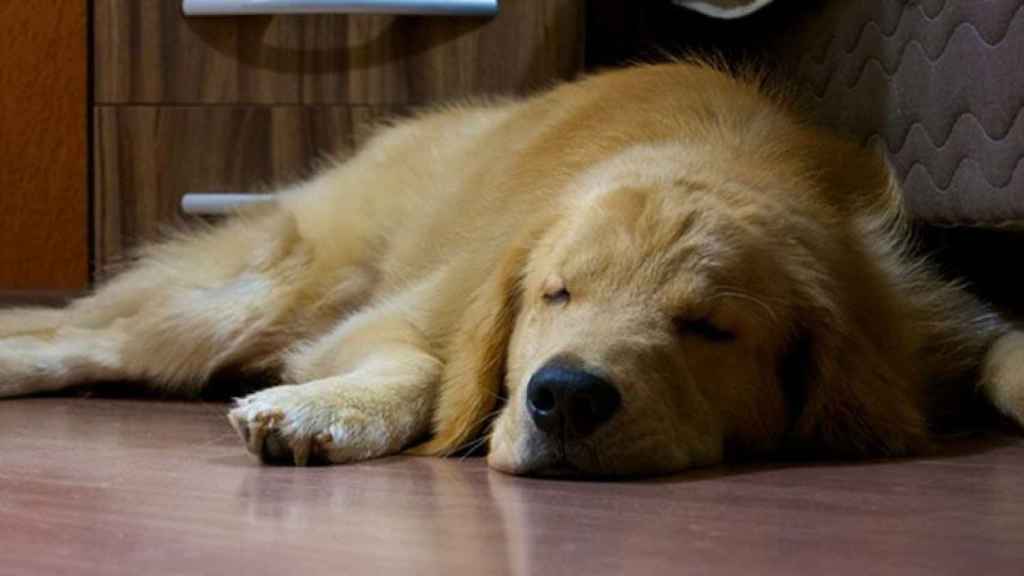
[103,486]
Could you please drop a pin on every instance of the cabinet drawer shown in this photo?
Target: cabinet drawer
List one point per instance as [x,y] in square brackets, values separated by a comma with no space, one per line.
[146,51]
[148,157]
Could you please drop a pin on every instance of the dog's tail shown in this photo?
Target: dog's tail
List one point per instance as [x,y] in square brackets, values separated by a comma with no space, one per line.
[1003,375]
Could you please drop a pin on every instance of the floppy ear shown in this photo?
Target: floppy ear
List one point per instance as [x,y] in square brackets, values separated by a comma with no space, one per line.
[852,367]
[853,371]
[473,377]
[855,402]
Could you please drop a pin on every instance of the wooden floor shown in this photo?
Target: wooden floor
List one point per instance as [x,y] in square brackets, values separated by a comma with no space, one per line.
[109,486]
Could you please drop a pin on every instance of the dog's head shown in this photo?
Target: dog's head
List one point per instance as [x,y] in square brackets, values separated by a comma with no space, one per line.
[682,307]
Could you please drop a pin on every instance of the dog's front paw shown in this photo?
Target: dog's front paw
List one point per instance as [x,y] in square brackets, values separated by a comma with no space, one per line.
[312,423]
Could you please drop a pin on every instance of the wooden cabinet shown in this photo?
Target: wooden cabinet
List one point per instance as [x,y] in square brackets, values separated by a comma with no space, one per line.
[239,104]
[43,140]
[148,52]
[147,157]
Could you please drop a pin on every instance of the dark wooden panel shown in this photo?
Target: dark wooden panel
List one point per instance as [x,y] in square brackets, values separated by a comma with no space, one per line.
[148,157]
[110,487]
[43,115]
[146,51]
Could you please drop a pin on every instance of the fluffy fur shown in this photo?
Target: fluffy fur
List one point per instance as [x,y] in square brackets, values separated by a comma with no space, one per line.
[404,295]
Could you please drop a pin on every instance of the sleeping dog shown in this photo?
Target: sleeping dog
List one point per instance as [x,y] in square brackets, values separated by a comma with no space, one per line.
[649,270]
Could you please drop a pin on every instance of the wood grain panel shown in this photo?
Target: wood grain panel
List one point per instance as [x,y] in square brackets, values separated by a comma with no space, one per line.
[148,52]
[43,159]
[148,157]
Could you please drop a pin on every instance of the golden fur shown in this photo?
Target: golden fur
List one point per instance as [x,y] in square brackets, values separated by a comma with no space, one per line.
[740,277]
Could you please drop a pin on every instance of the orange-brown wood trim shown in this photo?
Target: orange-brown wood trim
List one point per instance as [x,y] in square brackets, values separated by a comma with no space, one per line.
[43,145]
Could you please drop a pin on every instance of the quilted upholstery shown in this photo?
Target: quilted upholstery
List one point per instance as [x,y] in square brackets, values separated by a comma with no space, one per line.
[938,83]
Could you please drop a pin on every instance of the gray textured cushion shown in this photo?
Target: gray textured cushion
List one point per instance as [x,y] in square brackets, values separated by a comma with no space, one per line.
[939,83]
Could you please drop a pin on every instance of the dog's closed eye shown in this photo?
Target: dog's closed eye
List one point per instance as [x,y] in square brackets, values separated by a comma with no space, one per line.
[555,291]
[702,327]
[559,296]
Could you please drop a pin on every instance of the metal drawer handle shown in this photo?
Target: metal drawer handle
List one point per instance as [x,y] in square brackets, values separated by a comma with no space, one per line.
[217,204]
[436,7]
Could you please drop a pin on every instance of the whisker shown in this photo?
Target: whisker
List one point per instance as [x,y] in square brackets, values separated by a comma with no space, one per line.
[476,442]
[495,395]
[472,447]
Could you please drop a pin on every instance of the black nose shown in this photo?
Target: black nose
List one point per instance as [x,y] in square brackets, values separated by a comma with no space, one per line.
[565,399]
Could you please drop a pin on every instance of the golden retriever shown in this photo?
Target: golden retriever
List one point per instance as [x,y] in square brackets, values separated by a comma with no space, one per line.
[648,270]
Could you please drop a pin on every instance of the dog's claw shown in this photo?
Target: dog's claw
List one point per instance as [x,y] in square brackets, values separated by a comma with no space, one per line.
[254,432]
[323,440]
[263,438]
[300,452]
[257,440]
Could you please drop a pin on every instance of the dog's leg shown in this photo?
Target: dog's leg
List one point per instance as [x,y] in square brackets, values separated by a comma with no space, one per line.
[369,389]
[232,296]
[1003,375]
[16,322]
